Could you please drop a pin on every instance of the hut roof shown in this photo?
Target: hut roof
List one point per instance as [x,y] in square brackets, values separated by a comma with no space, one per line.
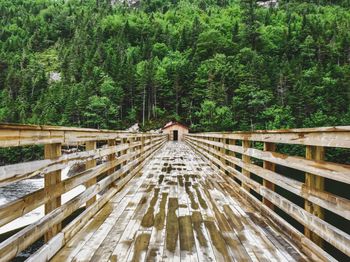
[173,123]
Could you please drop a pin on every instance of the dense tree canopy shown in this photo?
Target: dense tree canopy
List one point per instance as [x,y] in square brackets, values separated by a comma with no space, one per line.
[213,64]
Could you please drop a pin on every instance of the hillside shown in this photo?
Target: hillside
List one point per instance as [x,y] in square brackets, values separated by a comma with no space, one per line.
[215,65]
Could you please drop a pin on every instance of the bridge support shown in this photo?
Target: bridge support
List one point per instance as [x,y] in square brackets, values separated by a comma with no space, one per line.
[317,183]
[111,157]
[52,151]
[269,166]
[90,145]
[245,159]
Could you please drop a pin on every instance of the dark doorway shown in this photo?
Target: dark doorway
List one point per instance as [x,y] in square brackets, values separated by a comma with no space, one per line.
[175,134]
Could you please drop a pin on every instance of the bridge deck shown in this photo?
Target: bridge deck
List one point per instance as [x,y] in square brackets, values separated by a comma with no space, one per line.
[179,208]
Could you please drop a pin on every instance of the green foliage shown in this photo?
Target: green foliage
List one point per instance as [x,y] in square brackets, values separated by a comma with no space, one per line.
[215,65]
[214,118]
[101,113]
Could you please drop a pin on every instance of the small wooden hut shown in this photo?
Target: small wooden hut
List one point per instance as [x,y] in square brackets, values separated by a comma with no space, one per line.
[175,130]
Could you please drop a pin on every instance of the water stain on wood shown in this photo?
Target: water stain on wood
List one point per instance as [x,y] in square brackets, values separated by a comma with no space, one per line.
[194,204]
[167,168]
[186,233]
[160,216]
[148,218]
[152,254]
[197,222]
[194,177]
[143,200]
[220,217]
[233,219]
[180,179]
[217,239]
[160,179]
[172,225]
[201,200]
[141,244]
[150,188]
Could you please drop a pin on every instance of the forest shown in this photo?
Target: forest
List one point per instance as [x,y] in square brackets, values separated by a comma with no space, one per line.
[213,64]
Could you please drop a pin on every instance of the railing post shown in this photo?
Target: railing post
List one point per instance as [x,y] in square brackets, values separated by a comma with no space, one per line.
[142,145]
[269,166]
[246,160]
[90,145]
[222,149]
[133,140]
[314,182]
[231,153]
[124,152]
[111,157]
[52,151]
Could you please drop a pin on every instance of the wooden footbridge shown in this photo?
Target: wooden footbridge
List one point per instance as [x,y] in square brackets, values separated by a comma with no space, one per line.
[214,197]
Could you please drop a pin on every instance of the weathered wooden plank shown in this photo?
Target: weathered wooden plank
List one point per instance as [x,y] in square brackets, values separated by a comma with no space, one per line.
[269,166]
[339,172]
[336,204]
[328,137]
[23,205]
[245,160]
[52,151]
[333,235]
[119,221]
[317,183]
[46,252]
[89,248]
[91,145]
[75,226]
[16,172]
[313,251]
[12,246]
[22,135]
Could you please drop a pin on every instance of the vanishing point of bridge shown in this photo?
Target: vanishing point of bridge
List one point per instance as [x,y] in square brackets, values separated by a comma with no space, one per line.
[213,197]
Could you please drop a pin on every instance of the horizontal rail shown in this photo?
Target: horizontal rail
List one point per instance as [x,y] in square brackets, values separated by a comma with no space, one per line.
[334,171]
[327,136]
[121,156]
[302,242]
[24,135]
[17,172]
[334,203]
[234,160]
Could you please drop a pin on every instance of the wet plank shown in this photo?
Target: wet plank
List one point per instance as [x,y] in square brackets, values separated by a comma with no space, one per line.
[179,208]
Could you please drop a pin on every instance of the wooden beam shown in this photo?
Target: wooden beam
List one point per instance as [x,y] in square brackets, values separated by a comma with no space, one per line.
[46,252]
[90,145]
[333,235]
[269,166]
[52,151]
[331,137]
[338,172]
[246,160]
[314,182]
[334,203]
[111,157]
[22,239]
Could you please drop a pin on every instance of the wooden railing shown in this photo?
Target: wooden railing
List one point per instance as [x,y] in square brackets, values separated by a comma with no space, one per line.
[120,155]
[239,155]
